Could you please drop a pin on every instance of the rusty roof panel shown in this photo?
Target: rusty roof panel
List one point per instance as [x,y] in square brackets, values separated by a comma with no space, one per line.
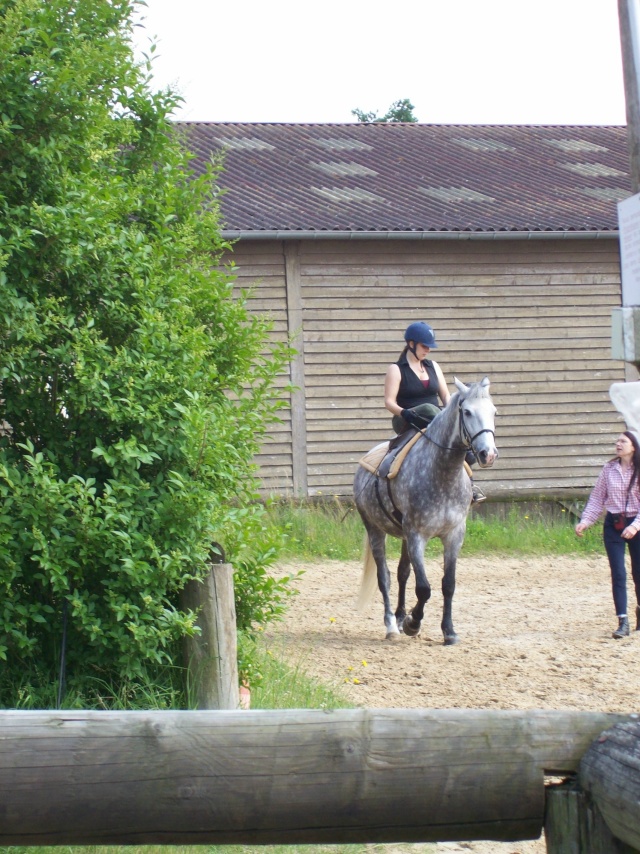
[415,177]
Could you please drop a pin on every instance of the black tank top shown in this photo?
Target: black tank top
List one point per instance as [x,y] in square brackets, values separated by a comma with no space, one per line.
[411,392]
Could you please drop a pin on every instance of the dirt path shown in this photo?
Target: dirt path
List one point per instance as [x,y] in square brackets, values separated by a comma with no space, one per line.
[534,634]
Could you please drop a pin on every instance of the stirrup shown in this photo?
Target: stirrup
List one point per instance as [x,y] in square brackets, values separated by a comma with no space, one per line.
[478,495]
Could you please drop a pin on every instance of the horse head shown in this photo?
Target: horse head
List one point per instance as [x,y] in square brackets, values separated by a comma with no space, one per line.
[477,420]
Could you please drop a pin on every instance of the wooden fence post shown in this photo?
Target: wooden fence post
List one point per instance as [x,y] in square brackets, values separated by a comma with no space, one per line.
[573,824]
[211,658]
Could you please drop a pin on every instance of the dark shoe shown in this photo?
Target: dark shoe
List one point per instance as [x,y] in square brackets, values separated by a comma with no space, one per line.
[478,495]
[623,628]
[638,618]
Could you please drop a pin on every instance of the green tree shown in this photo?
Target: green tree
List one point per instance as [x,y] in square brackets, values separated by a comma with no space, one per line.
[399,111]
[137,386]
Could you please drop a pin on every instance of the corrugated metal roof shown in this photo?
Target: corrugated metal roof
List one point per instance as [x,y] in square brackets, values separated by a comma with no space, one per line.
[356,178]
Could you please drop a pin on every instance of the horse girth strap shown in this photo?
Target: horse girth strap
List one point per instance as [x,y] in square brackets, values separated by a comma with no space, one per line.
[395,517]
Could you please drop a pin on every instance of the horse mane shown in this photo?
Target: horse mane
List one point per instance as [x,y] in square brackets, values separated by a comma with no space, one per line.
[476,391]
[446,411]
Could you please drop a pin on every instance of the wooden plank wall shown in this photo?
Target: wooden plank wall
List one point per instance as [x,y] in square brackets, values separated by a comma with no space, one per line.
[535,316]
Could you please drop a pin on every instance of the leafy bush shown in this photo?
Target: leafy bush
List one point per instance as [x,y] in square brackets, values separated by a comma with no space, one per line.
[137,385]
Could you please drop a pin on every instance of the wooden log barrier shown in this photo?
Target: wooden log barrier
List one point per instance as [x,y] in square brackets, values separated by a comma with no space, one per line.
[293,776]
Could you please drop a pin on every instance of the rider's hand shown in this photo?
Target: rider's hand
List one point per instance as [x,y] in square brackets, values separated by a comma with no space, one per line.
[411,417]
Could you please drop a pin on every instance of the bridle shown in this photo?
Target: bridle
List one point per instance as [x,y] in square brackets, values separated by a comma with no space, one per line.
[467,438]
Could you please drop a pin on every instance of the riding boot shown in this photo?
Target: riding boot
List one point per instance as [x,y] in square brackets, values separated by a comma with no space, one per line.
[638,618]
[623,628]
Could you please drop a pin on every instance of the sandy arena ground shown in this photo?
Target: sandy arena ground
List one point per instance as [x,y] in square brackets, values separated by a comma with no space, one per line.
[534,634]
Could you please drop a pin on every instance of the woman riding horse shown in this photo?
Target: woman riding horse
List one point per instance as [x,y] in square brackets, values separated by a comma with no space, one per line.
[413,384]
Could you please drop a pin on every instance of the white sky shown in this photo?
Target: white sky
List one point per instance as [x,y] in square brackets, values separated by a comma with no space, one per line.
[457,61]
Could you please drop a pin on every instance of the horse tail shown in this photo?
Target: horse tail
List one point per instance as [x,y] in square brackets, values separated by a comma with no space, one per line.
[369,578]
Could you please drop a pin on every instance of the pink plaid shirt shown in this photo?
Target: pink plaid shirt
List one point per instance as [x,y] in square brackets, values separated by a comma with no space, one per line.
[610,493]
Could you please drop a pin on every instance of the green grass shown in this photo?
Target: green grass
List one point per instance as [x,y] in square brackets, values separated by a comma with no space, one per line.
[162,688]
[280,680]
[333,529]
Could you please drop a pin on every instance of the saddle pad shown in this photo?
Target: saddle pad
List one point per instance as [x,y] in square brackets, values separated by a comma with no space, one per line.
[374,457]
[372,460]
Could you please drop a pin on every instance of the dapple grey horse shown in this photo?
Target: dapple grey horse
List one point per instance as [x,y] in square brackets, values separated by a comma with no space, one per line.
[429,497]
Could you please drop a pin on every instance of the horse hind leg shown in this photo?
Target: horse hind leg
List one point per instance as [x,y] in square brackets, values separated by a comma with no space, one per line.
[377,541]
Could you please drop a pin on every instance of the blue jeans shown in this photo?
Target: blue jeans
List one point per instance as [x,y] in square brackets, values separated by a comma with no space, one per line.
[615,547]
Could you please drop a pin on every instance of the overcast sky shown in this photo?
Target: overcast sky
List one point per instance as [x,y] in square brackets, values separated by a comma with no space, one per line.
[458,61]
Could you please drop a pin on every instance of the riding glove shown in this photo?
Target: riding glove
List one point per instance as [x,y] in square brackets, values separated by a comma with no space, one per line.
[412,418]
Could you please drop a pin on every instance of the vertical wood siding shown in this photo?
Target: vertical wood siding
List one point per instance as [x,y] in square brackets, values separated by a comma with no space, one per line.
[535,316]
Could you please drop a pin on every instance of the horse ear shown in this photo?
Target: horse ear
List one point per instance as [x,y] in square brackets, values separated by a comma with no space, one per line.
[461,386]
[485,383]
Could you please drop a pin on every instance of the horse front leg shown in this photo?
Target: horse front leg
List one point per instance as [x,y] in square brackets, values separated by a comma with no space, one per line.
[377,541]
[404,570]
[452,546]
[415,550]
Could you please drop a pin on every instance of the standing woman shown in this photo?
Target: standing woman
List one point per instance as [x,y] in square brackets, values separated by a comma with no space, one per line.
[617,490]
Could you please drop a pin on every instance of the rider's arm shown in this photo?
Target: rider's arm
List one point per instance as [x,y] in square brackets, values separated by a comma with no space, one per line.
[391,389]
[443,391]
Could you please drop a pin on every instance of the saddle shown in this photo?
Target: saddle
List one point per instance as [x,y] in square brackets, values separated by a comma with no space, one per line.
[384,461]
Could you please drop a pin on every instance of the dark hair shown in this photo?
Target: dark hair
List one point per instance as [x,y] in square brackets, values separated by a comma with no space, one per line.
[636,455]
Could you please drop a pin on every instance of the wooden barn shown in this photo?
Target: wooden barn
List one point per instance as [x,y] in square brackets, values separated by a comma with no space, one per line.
[503,238]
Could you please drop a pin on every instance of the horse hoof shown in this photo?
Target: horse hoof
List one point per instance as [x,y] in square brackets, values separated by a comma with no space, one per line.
[394,637]
[410,628]
[449,640]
